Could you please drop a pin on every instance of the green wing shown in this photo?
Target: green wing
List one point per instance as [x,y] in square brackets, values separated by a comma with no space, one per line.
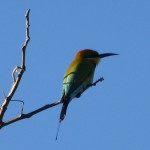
[77,78]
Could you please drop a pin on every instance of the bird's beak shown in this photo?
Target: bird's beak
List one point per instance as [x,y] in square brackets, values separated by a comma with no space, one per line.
[106,55]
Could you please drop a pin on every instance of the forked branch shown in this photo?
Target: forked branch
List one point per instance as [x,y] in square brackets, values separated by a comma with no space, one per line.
[28,115]
[17,80]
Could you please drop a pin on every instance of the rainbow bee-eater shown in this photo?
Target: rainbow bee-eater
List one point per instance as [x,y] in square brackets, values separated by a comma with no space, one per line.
[79,76]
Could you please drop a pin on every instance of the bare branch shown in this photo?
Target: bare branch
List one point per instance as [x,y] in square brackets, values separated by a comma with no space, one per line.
[14,71]
[99,80]
[27,39]
[21,106]
[18,79]
[28,115]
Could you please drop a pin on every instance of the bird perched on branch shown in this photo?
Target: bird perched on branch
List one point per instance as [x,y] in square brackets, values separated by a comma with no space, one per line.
[79,76]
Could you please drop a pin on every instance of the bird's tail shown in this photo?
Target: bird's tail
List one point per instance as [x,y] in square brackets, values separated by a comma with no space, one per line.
[63,110]
[62,115]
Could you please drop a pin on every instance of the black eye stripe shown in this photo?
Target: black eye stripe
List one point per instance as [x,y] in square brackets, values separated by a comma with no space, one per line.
[91,56]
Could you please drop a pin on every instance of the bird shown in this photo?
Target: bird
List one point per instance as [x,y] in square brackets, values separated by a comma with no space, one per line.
[78,77]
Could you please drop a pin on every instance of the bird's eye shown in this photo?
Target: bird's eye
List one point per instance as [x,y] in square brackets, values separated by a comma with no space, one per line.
[91,56]
[87,56]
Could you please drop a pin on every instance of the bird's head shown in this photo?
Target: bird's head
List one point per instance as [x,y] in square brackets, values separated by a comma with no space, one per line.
[92,55]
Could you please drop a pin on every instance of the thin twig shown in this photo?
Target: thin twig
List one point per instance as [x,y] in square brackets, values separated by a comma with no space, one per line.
[99,80]
[94,83]
[14,71]
[21,106]
[27,39]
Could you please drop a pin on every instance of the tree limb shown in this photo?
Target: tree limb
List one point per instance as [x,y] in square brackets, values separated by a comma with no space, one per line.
[20,74]
[34,112]
[28,115]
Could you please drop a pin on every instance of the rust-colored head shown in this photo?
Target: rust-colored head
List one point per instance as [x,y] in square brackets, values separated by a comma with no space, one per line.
[89,55]
[92,55]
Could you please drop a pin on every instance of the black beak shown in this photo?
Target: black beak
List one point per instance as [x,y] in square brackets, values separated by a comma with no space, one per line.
[106,55]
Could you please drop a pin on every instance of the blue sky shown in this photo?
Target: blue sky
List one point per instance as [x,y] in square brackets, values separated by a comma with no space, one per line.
[114,115]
